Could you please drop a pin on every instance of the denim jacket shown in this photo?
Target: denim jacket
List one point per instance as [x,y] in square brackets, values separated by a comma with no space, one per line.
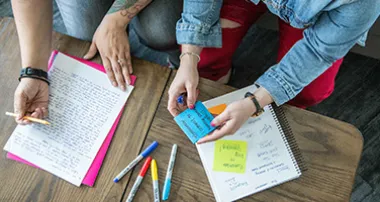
[333,27]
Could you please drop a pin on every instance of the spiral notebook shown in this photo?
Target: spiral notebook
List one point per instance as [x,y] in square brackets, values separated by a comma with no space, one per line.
[261,154]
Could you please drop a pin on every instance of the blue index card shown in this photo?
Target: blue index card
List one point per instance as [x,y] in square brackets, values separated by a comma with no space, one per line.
[195,123]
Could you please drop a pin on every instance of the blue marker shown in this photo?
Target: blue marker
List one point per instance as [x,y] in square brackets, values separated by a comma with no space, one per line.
[169,172]
[144,154]
[180,99]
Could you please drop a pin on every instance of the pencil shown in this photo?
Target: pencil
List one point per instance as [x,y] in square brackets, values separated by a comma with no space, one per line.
[29,118]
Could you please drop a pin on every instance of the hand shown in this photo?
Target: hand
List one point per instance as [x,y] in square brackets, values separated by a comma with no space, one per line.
[31,99]
[231,119]
[111,40]
[186,80]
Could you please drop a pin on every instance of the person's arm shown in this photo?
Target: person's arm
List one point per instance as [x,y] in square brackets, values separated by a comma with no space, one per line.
[186,80]
[35,32]
[199,27]
[111,40]
[328,40]
[34,27]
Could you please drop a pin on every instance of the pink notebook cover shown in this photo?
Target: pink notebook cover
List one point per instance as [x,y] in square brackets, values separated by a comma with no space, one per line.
[93,171]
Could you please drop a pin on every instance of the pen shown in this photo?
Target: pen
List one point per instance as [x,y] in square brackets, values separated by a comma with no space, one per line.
[169,172]
[139,179]
[180,99]
[144,154]
[28,118]
[156,189]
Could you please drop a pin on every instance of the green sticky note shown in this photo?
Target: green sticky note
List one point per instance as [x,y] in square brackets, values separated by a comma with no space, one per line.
[230,156]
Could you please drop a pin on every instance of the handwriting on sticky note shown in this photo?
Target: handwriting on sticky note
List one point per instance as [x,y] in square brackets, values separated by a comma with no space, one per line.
[195,123]
[230,156]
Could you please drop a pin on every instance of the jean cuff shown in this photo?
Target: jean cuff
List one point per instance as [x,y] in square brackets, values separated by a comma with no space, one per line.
[277,87]
[203,36]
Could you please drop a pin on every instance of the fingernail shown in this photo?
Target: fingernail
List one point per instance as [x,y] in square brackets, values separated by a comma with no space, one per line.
[114,83]
[191,106]
[123,88]
[212,124]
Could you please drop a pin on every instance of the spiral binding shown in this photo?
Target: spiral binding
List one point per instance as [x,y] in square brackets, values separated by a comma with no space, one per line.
[288,137]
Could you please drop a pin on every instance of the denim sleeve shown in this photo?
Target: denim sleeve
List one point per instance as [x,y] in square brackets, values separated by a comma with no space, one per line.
[200,24]
[328,40]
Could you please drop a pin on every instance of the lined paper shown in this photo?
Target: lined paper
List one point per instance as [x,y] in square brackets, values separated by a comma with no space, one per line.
[83,106]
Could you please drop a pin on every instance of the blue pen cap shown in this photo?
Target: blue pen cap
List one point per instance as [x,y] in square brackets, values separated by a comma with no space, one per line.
[166,191]
[148,150]
[180,99]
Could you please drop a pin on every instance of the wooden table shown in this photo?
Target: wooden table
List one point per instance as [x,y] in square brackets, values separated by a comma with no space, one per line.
[331,148]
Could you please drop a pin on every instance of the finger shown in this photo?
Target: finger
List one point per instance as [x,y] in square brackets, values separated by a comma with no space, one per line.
[191,96]
[44,112]
[118,74]
[91,51]
[129,61]
[20,100]
[108,68]
[125,72]
[126,75]
[217,134]
[172,104]
[220,119]
[24,121]
[38,114]
[35,114]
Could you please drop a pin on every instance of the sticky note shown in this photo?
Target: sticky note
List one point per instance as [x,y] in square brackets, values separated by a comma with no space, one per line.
[230,156]
[195,123]
[218,109]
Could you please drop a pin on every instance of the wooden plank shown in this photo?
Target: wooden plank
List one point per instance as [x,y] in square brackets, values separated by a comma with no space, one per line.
[331,149]
[24,183]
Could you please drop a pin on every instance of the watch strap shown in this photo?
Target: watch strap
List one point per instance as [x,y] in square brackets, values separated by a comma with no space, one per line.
[34,74]
[259,109]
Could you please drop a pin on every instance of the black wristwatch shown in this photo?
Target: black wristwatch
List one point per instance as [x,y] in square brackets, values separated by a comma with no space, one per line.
[34,73]
[259,109]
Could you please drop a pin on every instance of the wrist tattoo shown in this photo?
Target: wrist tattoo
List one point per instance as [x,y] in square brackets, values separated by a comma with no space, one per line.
[128,8]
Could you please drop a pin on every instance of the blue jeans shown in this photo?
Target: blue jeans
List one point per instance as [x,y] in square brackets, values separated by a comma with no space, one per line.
[151,33]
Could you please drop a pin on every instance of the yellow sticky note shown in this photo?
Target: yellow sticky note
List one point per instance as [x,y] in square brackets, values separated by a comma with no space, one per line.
[216,110]
[230,156]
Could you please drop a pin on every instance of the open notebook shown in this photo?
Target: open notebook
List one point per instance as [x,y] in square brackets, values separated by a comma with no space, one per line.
[84,111]
[260,155]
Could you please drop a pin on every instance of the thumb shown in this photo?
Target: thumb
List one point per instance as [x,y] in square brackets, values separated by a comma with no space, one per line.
[91,52]
[220,119]
[20,105]
[191,96]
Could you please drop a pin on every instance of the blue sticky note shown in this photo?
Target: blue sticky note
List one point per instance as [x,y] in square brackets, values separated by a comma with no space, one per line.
[195,123]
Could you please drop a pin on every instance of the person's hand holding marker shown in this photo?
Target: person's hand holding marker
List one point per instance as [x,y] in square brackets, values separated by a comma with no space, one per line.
[186,80]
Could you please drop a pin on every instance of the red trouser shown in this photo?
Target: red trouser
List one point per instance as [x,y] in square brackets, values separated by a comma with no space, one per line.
[216,62]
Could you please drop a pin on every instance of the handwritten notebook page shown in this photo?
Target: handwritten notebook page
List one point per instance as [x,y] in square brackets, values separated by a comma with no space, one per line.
[267,162]
[93,171]
[83,107]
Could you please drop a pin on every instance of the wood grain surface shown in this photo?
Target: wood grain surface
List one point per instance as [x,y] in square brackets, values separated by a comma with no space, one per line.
[23,183]
[330,148]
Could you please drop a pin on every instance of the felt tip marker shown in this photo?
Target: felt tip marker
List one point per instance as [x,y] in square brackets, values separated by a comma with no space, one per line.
[156,189]
[139,179]
[144,154]
[169,172]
